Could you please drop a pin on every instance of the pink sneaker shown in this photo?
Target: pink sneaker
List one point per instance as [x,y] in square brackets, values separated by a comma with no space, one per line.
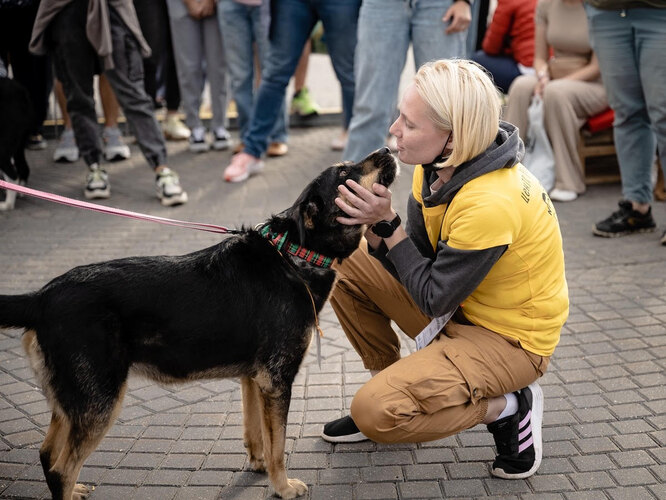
[242,166]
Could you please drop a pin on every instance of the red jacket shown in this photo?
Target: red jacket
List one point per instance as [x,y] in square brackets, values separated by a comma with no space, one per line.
[511,32]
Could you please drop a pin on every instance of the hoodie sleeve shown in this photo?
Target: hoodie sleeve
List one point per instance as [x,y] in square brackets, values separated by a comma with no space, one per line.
[438,286]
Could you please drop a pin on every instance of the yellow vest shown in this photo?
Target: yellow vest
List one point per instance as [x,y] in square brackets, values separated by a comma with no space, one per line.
[525,295]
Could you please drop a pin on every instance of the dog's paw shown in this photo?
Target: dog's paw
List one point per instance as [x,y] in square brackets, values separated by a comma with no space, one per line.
[257,464]
[295,489]
[80,492]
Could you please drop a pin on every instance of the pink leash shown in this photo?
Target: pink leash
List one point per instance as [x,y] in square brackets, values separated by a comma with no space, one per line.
[211,228]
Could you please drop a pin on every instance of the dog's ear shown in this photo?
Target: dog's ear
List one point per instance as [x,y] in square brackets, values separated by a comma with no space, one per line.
[305,218]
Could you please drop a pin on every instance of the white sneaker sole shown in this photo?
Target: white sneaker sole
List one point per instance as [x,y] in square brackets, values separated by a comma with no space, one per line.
[117,153]
[97,194]
[199,147]
[70,156]
[537,420]
[349,438]
[170,201]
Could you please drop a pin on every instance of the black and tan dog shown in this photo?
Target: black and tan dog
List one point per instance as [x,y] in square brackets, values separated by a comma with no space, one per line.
[243,308]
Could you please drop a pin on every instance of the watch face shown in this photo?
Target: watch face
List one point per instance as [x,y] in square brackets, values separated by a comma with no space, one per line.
[383,229]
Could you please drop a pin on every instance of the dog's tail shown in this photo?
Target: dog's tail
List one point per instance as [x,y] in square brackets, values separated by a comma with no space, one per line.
[18,311]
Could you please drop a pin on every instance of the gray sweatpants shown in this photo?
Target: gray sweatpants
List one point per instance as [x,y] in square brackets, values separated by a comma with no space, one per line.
[76,63]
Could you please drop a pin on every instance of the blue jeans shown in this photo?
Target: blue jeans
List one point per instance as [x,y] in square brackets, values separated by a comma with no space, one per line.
[385,29]
[292,22]
[241,26]
[631,47]
[504,69]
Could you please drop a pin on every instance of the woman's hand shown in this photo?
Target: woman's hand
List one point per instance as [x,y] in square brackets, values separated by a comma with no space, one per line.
[458,17]
[362,205]
[543,79]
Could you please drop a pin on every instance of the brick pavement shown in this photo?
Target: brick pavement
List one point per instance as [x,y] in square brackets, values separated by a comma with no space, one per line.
[605,420]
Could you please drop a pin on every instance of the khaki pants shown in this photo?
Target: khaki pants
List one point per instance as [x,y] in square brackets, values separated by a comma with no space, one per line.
[435,392]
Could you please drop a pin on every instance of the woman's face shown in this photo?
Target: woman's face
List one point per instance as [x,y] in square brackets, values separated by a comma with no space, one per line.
[419,141]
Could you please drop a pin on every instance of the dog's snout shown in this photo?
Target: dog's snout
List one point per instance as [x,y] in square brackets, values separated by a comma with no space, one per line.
[384,151]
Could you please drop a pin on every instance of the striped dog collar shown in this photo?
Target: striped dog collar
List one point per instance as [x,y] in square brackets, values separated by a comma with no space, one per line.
[281,242]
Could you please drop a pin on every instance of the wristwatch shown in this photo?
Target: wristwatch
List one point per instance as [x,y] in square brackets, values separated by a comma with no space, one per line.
[385,228]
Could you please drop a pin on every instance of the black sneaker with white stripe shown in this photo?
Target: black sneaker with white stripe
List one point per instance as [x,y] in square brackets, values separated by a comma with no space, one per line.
[518,436]
[342,430]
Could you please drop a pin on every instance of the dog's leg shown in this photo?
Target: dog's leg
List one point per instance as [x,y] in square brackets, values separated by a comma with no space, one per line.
[274,407]
[52,448]
[252,424]
[80,442]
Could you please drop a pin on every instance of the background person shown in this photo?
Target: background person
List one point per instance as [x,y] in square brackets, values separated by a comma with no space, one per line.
[482,235]
[569,83]
[508,45]
[436,29]
[630,40]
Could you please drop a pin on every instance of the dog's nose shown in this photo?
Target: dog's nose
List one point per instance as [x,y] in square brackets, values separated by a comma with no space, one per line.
[384,151]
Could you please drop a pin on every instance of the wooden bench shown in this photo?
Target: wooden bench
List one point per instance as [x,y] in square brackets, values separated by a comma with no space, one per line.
[596,140]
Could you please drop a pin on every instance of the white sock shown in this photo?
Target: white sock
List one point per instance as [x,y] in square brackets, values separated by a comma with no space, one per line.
[511,405]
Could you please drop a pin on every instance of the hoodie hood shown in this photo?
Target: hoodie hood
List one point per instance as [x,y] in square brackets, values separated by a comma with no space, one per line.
[505,152]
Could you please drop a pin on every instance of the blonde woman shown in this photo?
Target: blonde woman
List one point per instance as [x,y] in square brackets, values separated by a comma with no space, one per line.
[483,241]
[567,77]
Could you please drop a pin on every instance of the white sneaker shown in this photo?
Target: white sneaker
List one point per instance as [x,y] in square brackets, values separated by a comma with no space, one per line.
[174,129]
[168,187]
[97,183]
[198,142]
[114,147]
[221,139]
[67,149]
[562,195]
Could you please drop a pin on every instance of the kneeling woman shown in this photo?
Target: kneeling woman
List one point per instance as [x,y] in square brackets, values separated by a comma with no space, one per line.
[483,248]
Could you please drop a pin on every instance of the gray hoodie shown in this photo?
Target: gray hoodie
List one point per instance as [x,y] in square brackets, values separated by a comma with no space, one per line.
[440,281]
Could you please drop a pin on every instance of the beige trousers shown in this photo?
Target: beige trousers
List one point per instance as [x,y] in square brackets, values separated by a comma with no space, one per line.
[435,392]
[567,105]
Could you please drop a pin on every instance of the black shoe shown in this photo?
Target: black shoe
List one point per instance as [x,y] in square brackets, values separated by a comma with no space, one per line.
[625,221]
[663,238]
[342,430]
[518,436]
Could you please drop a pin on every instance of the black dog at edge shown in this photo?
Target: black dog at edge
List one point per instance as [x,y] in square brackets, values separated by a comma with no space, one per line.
[240,308]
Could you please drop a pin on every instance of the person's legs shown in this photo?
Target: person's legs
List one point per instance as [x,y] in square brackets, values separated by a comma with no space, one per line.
[75,63]
[567,104]
[188,54]
[291,23]
[614,39]
[237,36]
[503,69]
[444,388]
[381,50]
[126,78]
[260,23]
[366,298]
[520,96]
[429,39]
[114,146]
[340,25]
[216,71]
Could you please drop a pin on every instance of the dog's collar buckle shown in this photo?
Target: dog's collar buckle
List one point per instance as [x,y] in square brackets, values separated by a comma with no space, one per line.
[280,242]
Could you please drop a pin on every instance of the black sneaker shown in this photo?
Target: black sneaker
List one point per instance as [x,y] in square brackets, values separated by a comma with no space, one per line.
[518,436]
[663,238]
[625,221]
[342,430]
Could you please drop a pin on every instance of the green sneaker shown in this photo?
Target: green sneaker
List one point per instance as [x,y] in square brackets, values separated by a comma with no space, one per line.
[303,105]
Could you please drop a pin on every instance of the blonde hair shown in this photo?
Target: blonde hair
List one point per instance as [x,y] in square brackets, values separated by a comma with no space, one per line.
[461,97]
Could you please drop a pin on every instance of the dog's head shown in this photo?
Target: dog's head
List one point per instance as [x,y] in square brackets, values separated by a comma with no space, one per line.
[311,220]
